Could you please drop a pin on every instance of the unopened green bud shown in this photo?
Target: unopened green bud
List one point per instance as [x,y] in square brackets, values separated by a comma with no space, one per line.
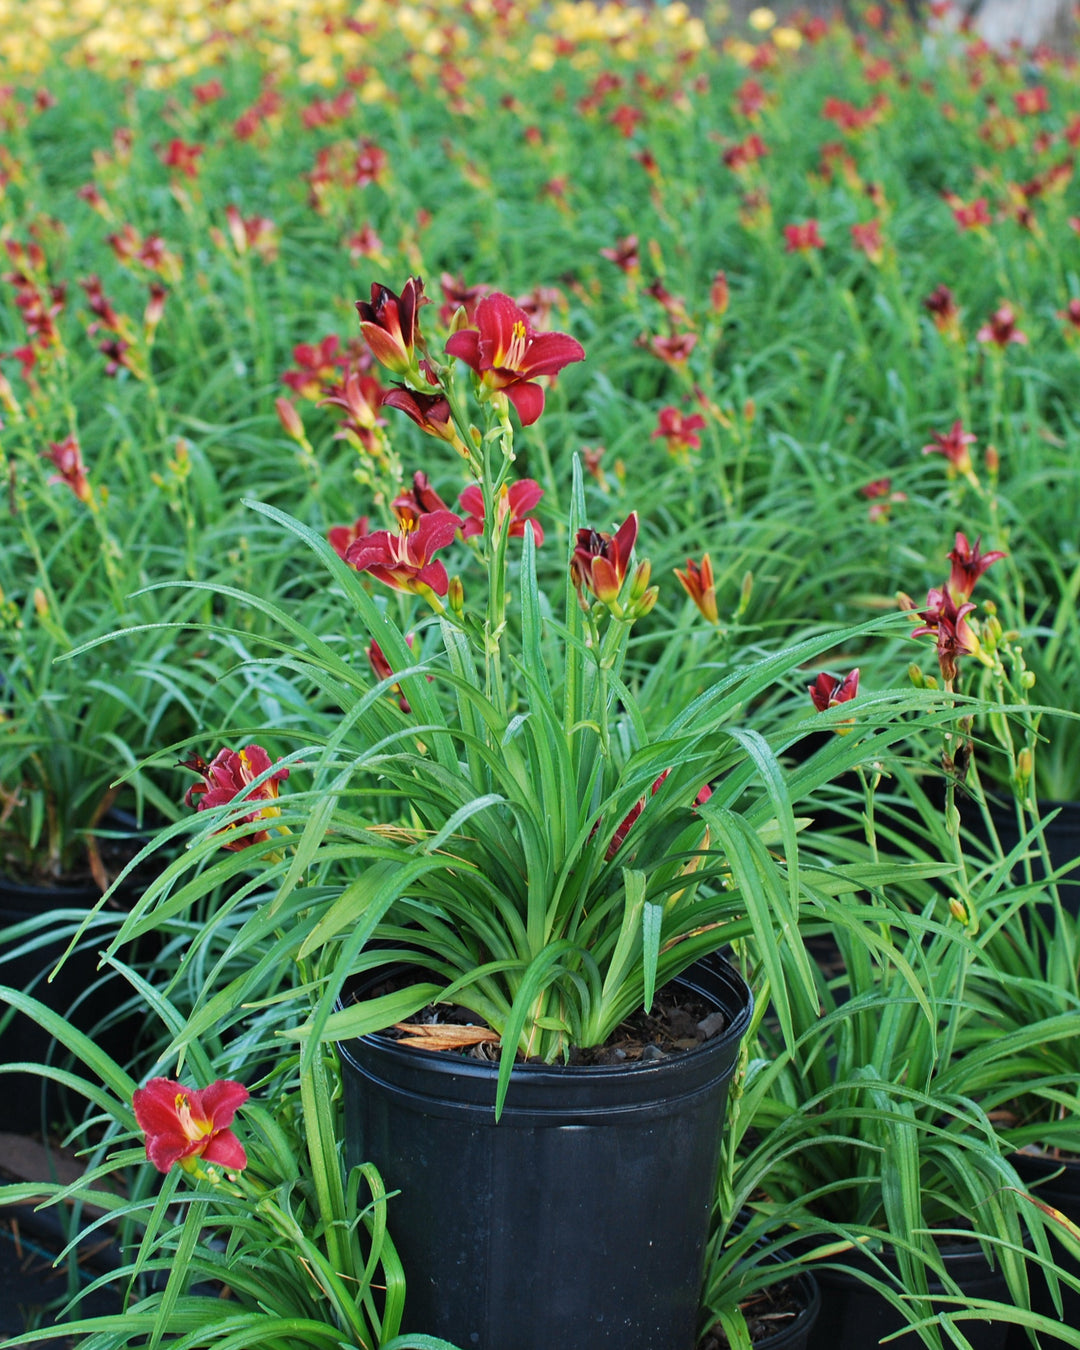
[642,606]
[744,594]
[931,681]
[1027,679]
[959,910]
[915,675]
[455,595]
[1025,764]
[640,583]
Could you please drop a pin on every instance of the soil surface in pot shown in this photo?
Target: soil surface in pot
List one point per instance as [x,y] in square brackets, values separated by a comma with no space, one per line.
[769,1311]
[678,1021]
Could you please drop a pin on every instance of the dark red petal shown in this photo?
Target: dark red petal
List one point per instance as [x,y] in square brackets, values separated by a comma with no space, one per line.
[434,575]
[164,1150]
[465,345]
[549,352]
[524,495]
[435,530]
[623,543]
[528,400]
[155,1105]
[372,548]
[226,1150]
[220,1100]
[496,316]
[472,501]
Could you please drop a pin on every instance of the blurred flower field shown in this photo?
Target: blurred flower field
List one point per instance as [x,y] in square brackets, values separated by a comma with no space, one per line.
[796,257]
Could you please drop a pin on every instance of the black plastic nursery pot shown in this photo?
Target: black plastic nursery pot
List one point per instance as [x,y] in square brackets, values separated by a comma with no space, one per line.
[88,996]
[795,1334]
[792,1331]
[577,1221]
[855,1316]
[1057,1184]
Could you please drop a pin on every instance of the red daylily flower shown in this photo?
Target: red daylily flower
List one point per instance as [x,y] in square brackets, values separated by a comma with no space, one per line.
[517,500]
[185,1125]
[828,692]
[1031,101]
[388,323]
[419,500]
[941,305]
[953,444]
[946,621]
[317,367]
[257,233]
[678,431]
[674,350]
[508,355]
[624,255]
[430,412]
[600,560]
[969,215]
[968,565]
[404,561]
[342,537]
[228,778]
[803,237]
[618,838]
[700,585]
[1001,329]
[881,498]
[181,156]
[867,238]
[67,456]
[360,395]
[744,153]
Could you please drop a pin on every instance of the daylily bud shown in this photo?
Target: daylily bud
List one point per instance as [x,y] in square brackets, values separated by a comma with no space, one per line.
[958,910]
[290,419]
[1027,680]
[916,676]
[993,461]
[644,605]
[1025,764]
[640,583]
[41,602]
[389,325]
[719,295]
[700,585]
[455,596]
[744,594]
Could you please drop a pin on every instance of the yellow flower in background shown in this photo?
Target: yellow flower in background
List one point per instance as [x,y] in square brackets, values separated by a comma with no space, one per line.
[741,51]
[787,39]
[761,19]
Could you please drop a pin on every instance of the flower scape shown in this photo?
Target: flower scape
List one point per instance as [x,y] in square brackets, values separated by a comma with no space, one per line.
[471,475]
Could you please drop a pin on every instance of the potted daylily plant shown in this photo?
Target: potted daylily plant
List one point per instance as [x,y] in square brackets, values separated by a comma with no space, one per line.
[503,892]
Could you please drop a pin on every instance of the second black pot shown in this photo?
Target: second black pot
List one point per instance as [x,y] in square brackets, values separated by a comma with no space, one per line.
[1056,1184]
[579,1220]
[854,1316]
[36,925]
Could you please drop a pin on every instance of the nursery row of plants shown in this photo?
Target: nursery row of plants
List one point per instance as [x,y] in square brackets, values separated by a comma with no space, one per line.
[503,504]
